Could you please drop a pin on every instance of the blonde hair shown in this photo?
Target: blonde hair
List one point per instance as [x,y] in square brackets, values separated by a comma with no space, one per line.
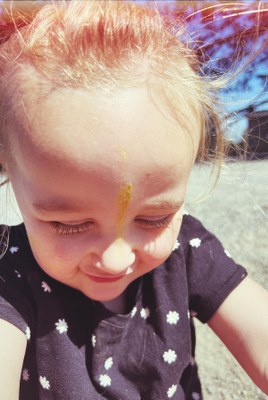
[104,43]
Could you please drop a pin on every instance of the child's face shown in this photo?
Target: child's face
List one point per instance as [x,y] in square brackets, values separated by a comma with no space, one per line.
[100,179]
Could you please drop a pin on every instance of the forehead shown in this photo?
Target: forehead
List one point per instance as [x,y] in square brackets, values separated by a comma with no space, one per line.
[82,126]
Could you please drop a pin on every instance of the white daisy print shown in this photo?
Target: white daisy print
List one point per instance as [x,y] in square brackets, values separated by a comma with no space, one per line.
[61,326]
[13,249]
[17,273]
[108,363]
[93,340]
[171,391]
[170,356]
[133,312]
[46,287]
[195,242]
[195,396]
[28,333]
[227,253]
[105,380]
[25,375]
[176,245]
[145,313]
[44,382]
[173,317]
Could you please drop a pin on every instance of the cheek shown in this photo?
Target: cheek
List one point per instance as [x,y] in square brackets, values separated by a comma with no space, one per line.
[52,254]
[161,247]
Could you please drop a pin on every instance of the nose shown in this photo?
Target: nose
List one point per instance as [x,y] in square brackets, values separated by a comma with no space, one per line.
[117,258]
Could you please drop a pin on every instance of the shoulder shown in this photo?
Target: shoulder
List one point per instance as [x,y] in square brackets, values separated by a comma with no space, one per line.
[197,242]
[193,228]
[14,245]
[16,256]
[16,266]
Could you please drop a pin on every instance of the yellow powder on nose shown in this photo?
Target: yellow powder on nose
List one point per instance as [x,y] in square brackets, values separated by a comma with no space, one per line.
[123,199]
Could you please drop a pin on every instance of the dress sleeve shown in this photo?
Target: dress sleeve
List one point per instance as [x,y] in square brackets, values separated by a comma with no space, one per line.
[211,272]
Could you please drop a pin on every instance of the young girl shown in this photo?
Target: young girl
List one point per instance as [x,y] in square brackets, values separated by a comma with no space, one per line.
[103,115]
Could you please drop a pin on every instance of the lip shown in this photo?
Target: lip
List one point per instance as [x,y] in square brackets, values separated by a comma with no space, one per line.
[105,279]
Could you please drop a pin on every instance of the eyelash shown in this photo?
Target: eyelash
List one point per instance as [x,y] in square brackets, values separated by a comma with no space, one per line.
[157,223]
[65,229]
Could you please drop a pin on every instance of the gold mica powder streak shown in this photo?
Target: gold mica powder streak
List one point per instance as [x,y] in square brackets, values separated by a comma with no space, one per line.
[123,154]
[123,199]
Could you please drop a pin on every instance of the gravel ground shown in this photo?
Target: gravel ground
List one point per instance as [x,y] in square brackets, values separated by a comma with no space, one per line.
[237,212]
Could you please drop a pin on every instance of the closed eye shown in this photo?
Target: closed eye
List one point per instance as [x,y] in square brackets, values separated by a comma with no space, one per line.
[69,229]
[162,222]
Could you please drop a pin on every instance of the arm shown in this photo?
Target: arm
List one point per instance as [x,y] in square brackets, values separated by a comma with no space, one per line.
[241,323]
[12,351]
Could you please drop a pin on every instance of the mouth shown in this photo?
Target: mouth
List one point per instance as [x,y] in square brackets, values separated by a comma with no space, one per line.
[105,279]
[109,278]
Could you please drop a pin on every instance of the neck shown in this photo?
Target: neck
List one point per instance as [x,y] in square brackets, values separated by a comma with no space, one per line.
[117,305]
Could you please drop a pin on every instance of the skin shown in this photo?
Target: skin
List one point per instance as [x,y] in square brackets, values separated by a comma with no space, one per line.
[95,220]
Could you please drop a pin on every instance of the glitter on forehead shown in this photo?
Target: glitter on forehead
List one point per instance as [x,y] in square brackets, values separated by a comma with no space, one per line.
[124,154]
[123,199]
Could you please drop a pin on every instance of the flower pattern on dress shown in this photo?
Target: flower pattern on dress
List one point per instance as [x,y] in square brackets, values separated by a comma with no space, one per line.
[145,313]
[108,363]
[93,340]
[61,326]
[170,356]
[173,317]
[195,396]
[17,273]
[25,375]
[28,333]
[171,391]
[176,245]
[133,311]
[105,380]
[13,249]
[46,287]
[195,242]
[44,382]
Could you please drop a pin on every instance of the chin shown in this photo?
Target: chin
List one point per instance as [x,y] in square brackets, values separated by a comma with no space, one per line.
[104,294]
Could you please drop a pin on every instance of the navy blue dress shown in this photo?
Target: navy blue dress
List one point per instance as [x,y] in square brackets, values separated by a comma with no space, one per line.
[77,349]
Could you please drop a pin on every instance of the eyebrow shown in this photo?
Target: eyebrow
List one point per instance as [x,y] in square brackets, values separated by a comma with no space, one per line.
[54,206]
[164,205]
